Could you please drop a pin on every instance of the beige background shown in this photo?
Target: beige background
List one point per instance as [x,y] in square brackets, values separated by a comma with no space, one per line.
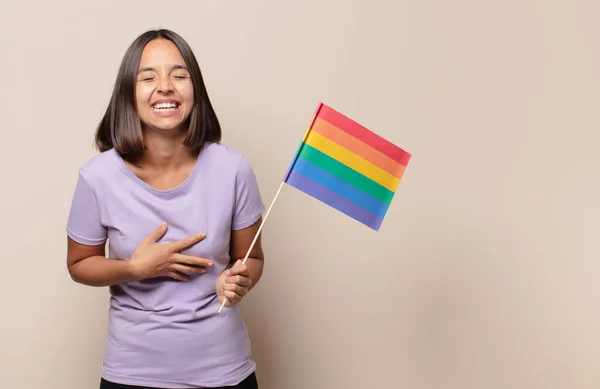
[484,275]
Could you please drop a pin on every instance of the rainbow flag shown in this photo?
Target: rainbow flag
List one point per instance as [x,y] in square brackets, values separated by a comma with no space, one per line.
[347,167]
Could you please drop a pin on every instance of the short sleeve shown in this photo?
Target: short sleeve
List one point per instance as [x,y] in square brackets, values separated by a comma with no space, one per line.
[84,225]
[248,202]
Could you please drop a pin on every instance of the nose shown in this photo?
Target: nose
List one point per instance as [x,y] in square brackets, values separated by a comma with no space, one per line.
[164,84]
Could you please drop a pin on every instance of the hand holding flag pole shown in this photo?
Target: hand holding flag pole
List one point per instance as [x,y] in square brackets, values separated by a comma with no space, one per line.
[346,166]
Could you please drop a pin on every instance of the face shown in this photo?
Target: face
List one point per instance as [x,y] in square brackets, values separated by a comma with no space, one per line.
[164,92]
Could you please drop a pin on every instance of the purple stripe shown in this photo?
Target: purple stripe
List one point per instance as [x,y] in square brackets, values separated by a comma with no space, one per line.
[334,200]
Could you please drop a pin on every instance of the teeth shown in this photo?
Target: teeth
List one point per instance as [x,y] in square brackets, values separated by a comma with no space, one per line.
[165,106]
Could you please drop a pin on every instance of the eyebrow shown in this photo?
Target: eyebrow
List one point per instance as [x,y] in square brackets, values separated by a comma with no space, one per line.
[150,68]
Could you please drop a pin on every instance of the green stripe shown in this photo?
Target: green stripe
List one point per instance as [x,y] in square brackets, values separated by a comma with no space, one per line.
[346,173]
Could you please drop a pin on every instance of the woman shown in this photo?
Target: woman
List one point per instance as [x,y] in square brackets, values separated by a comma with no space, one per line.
[178,210]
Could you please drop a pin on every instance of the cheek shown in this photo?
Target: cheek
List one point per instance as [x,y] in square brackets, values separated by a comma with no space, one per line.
[187,94]
[142,96]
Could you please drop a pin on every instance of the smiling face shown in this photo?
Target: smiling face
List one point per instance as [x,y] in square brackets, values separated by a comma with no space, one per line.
[164,93]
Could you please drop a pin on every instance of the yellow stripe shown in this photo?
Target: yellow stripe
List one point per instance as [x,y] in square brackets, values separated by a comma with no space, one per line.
[352,160]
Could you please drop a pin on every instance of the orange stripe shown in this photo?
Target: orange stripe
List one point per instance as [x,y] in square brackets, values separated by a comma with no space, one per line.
[364,134]
[358,147]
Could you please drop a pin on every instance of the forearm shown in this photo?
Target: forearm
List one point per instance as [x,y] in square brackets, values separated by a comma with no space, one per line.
[255,268]
[101,271]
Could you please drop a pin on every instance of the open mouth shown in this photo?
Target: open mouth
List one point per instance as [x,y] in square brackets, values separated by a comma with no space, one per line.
[165,107]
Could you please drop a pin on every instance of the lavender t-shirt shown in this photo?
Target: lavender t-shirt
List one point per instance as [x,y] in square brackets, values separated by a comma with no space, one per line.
[163,332]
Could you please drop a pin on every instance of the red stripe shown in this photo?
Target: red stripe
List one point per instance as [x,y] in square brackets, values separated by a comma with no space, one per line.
[364,134]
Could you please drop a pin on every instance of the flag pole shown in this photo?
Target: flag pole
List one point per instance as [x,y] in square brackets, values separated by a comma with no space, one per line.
[258,232]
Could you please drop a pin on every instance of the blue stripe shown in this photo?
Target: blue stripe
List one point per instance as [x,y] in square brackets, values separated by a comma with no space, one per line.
[333,199]
[340,187]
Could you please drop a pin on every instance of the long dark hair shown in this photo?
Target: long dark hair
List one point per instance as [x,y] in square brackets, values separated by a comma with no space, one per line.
[120,127]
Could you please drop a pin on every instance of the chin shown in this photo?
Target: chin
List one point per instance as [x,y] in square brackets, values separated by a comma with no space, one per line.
[164,127]
[171,128]
[164,124]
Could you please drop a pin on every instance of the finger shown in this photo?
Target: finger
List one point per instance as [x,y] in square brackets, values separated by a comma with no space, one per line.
[178,276]
[233,297]
[187,242]
[187,269]
[191,260]
[238,280]
[239,268]
[237,289]
[158,233]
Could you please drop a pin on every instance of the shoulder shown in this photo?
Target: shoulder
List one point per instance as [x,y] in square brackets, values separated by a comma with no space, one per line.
[99,166]
[227,158]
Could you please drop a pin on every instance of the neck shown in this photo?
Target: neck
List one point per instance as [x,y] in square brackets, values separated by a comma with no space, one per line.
[164,151]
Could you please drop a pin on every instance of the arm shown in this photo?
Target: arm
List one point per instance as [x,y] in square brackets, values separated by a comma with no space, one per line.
[88,265]
[234,283]
[86,241]
[240,243]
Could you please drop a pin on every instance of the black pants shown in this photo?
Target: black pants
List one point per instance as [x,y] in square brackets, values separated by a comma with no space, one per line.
[249,383]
